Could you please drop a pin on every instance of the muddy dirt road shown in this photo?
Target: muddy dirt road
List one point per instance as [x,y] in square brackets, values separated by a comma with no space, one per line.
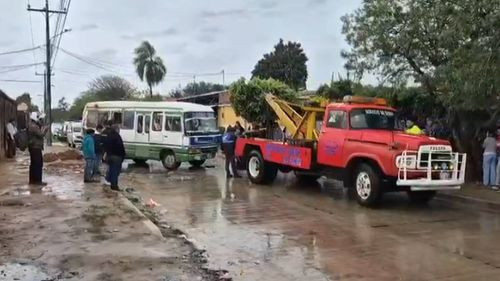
[69,230]
[315,232]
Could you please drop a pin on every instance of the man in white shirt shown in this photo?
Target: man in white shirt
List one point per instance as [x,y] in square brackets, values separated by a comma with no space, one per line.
[11,144]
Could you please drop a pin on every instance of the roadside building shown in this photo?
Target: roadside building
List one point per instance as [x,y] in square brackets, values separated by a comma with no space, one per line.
[221,104]
[7,111]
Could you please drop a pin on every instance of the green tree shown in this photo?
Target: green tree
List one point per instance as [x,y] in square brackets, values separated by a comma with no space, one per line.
[26,98]
[61,112]
[448,47]
[248,98]
[336,89]
[202,87]
[62,104]
[149,66]
[287,63]
[103,88]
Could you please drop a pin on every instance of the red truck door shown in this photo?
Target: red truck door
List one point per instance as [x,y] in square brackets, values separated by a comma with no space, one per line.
[332,137]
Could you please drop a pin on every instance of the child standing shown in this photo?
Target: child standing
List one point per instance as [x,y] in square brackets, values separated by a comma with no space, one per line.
[88,149]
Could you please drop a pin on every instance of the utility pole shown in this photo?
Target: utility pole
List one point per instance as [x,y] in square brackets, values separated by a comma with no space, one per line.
[223,78]
[48,84]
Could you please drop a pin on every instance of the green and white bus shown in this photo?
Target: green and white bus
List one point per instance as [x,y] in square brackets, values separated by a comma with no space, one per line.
[172,132]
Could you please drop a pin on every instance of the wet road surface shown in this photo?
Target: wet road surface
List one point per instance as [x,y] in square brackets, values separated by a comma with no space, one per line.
[291,231]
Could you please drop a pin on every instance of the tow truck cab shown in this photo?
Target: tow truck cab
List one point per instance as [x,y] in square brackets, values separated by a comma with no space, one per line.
[360,141]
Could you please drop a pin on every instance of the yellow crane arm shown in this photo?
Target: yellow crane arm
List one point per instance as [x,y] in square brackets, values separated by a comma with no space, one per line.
[300,125]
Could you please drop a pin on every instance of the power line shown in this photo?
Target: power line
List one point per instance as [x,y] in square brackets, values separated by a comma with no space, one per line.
[20,65]
[20,81]
[32,37]
[61,29]
[19,51]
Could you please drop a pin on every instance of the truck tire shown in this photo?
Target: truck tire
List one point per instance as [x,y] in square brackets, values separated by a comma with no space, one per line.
[421,197]
[258,170]
[196,163]
[367,187]
[169,161]
[305,177]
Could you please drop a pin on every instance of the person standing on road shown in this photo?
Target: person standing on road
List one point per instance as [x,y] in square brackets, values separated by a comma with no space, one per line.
[88,148]
[115,152]
[11,143]
[489,160]
[36,134]
[228,146]
[99,149]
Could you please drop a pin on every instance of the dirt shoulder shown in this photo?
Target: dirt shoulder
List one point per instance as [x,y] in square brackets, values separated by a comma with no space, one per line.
[72,231]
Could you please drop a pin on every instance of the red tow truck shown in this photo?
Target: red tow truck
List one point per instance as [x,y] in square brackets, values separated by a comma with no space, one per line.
[357,141]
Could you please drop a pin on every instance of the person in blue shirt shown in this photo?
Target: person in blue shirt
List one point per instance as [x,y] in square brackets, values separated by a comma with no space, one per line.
[228,146]
[88,148]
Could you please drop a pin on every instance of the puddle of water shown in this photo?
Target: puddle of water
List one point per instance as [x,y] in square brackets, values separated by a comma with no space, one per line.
[21,272]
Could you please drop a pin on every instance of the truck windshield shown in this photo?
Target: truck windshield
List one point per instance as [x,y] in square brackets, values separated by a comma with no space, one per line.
[200,123]
[378,119]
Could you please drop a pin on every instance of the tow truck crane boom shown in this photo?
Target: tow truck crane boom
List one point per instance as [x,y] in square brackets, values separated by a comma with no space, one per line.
[300,126]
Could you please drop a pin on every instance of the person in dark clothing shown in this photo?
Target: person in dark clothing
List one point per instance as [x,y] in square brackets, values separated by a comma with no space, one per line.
[36,134]
[115,152]
[99,149]
[228,146]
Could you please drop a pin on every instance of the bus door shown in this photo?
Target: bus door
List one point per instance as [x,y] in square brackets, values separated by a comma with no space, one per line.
[142,131]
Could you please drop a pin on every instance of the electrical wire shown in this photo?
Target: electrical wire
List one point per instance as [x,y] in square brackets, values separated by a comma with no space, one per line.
[20,51]
[20,81]
[32,37]
[56,50]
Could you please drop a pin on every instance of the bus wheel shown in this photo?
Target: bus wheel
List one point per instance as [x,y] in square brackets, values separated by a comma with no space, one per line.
[367,187]
[259,171]
[196,163]
[169,161]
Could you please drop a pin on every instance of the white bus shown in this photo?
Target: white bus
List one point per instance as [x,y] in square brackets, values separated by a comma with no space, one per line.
[172,132]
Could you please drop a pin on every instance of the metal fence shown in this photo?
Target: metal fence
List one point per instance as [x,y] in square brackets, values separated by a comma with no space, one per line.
[8,110]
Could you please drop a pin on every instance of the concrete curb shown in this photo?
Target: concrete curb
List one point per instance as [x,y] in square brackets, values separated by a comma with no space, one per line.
[147,222]
[469,201]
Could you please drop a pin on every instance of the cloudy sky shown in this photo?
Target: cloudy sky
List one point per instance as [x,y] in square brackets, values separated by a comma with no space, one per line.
[193,37]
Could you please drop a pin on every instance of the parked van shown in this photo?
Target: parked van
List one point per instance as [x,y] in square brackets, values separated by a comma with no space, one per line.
[73,133]
[172,132]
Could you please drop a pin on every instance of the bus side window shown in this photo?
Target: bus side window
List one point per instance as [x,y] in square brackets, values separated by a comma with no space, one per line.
[117,117]
[173,123]
[147,123]
[157,121]
[128,120]
[140,122]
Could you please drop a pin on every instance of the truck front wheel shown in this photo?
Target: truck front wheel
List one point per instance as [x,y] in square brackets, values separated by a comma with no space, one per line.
[367,188]
[259,171]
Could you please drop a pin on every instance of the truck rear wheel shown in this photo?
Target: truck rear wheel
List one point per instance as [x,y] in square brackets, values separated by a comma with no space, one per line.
[367,188]
[258,170]
[421,197]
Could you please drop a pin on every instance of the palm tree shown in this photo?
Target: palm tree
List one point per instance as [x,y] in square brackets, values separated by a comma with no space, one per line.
[148,65]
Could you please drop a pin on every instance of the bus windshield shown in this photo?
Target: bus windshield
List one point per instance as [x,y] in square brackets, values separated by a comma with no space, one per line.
[200,123]
[377,119]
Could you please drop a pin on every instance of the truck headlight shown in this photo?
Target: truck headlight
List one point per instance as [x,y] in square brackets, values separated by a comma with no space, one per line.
[408,161]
